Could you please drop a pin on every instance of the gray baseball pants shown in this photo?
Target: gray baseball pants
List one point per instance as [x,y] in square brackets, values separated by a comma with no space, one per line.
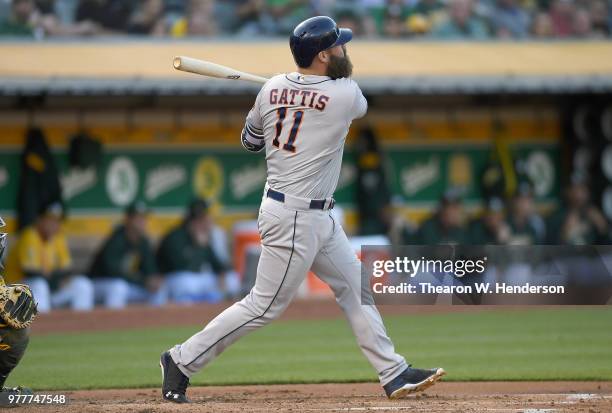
[296,239]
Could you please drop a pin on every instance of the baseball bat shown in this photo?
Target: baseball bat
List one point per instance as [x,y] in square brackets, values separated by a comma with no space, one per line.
[202,67]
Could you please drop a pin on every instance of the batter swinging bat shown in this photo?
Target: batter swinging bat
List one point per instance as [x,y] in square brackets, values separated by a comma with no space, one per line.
[202,67]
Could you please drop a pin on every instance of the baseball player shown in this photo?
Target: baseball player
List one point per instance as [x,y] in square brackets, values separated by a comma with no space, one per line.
[301,120]
[17,310]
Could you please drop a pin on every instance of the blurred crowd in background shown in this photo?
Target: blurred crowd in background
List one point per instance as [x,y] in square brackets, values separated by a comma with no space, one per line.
[435,19]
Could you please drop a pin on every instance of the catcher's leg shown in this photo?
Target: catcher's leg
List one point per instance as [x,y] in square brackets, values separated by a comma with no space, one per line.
[13,344]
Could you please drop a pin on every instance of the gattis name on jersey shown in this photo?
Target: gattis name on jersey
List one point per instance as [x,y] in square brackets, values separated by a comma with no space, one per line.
[298,97]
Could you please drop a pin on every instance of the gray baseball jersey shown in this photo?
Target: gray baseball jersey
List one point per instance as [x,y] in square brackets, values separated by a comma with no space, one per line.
[302,122]
[305,120]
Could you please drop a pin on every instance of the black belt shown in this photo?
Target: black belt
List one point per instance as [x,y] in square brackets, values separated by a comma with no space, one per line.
[314,203]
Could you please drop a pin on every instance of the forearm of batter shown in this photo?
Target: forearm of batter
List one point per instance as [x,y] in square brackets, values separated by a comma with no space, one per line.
[252,138]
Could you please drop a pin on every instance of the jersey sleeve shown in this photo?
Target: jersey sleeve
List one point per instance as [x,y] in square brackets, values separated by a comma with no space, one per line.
[360,104]
[252,136]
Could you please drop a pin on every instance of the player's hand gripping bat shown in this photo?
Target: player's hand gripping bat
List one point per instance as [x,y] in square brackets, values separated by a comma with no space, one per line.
[202,67]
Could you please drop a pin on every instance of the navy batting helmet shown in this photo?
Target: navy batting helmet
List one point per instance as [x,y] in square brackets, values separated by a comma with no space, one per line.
[315,35]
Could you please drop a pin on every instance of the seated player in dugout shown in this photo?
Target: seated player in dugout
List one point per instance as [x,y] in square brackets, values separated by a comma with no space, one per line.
[41,259]
[578,221]
[124,269]
[526,226]
[491,228]
[17,310]
[447,225]
[193,269]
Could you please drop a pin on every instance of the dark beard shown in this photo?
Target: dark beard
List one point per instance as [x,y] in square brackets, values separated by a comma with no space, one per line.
[339,67]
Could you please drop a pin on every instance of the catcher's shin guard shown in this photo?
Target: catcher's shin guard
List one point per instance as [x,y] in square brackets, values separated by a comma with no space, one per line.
[13,344]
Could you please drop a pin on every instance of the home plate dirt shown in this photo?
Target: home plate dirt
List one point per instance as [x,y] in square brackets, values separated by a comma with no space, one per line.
[498,397]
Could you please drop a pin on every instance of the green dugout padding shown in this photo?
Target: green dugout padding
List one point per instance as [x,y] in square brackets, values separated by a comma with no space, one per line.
[169,177]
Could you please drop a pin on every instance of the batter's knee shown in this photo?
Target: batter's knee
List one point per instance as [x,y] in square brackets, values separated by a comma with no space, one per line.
[264,309]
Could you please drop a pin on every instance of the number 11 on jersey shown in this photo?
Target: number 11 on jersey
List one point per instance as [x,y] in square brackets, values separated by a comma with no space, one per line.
[297,121]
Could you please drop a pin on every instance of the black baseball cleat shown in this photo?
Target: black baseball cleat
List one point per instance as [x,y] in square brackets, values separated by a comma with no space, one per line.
[174,382]
[7,396]
[412,381]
